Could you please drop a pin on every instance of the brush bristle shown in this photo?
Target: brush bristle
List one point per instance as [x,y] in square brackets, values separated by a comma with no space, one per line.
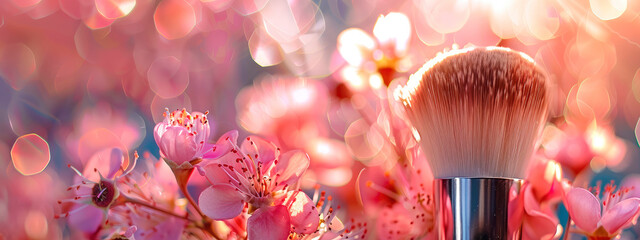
[479,111]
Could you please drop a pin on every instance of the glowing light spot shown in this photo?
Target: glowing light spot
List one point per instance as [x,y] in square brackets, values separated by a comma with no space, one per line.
[395,29]
[335,177]
[302,95]
[354,44]
[500,20]
[96,21]
[328,153]
[286,21]
[167,77]
[375,81]
[30,154]
[264,50]
[542,20]
[553,170]
[354,78]
[608,9]
[323,148]
[115,8]
[17,64]
[447,16]
[174,18]
[35,225]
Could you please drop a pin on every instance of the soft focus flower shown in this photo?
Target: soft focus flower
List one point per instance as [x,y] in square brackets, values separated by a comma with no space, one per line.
[330,226]
[292,113]
[602,218]
[95,193]
[289,111]
[126,202]
[182,136]
[578,148]
[373,61]
[155,187]
[538,199]
[399,200]
[257,174]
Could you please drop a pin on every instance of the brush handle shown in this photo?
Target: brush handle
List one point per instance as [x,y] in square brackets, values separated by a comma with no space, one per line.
[478,208]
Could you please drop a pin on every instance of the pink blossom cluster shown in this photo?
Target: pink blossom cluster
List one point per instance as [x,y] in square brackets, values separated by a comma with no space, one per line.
[253,190]
[330,155]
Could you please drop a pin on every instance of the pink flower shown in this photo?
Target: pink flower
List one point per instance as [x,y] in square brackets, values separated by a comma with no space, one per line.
[257,174]
[537,200]
[331,226]
[373,60]
[288,110]
[182,136]
[602,218]
[575,148]
[95,194]
[156,187]
[400,203]
[293,113]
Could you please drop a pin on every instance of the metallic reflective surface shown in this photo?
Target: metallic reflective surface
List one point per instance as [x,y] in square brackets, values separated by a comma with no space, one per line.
[476,208]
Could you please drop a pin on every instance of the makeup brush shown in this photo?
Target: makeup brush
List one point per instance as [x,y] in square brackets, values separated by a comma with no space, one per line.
[479,112]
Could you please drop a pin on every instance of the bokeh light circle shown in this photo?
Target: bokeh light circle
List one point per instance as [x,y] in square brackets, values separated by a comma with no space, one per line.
[35,225]
[608,9]
[30,154]
[167,77]
[637,132]
[17,64]
[115,8]
[174,18]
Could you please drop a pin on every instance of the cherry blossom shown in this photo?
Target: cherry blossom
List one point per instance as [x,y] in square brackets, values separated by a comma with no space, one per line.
[257,174]
[182,137]
[602,218]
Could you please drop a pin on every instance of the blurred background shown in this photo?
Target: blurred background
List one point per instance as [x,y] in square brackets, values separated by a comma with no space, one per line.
[79,76]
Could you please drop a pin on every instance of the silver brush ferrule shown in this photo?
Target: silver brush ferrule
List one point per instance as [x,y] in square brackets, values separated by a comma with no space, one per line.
[476,208]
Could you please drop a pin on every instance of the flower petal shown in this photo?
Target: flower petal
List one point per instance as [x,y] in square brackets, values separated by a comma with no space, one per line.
[88,219]
[159,130]
[584,209]
[223,145]
[221,202]
[621,215]
[354,45]
[304,215]
[115,162]
[214,173]
[201,126]
[178,145]
[537,224]
[269,223]
[291,165]
[259,149]
[393,30]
